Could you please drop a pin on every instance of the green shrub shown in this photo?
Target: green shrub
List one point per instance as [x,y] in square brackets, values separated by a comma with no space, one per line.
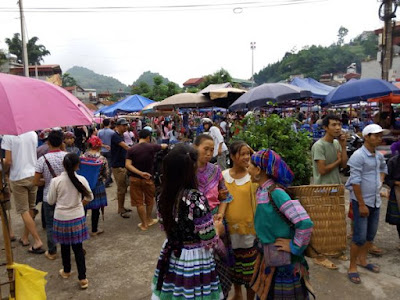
[277,134]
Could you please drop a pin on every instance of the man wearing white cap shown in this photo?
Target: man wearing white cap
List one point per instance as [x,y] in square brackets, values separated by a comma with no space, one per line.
[220,148]
[367,173]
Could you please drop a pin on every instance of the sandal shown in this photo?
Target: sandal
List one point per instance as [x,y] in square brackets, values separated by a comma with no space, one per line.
[354,277]
[64,275]
[371,267]
[375,251]
[34,250]
[13,238]
[125,215]
[84,283]
[153,222]
[325,263]
[22,243]
[141,227]
[127,210]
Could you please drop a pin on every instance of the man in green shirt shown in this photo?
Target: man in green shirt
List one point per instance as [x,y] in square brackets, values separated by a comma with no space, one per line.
[328,155]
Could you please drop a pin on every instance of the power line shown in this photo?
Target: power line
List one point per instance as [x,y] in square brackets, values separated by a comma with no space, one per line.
[158,8]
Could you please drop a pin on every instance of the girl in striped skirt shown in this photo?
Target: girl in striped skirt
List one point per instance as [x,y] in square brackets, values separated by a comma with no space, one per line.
[70,192]
[186,267]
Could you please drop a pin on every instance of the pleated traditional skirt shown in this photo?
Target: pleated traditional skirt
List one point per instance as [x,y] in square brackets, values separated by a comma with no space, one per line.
[70,232]
[100,196]
[190,276]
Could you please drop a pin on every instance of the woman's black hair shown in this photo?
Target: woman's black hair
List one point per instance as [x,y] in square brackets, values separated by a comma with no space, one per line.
[201,137]
[235,148]
[70,162]
[179,173]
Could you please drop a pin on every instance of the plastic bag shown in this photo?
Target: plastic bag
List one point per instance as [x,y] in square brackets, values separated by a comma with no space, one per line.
[29,282]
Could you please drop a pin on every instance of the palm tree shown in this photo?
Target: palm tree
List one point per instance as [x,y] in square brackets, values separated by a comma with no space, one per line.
[35,52]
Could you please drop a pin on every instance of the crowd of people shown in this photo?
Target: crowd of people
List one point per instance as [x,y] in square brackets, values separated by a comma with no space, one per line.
[225,226]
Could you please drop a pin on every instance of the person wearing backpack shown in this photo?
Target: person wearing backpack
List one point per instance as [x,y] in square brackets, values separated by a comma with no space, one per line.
[47,167]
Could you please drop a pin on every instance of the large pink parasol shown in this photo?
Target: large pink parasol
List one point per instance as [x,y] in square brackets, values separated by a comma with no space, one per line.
[29,104]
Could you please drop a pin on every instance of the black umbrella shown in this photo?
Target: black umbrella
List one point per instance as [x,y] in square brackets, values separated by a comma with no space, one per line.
[274,92]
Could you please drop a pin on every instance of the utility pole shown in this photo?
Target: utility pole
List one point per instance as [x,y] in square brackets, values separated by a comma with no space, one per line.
[252,47]
[23,38]
[387,51]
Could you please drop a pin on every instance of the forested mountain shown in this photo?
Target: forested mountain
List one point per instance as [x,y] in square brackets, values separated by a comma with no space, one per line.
[90,80]
[313,61]
[147,77]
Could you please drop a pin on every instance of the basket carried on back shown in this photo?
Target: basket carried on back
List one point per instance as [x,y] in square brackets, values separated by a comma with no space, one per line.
[326,208]
[90,169]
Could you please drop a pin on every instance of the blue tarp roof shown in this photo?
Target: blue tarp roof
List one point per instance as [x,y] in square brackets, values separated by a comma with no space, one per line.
[318,90]
[132,103]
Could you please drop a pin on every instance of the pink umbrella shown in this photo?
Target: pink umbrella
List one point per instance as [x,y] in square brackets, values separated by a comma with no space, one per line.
[30,104]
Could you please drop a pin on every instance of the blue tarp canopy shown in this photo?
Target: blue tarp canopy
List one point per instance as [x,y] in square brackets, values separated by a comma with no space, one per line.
[132,103]
[318,90]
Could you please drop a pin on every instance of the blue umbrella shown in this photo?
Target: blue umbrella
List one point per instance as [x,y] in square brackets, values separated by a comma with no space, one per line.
[274,92]
[318,90]
[356,91]
[133,103]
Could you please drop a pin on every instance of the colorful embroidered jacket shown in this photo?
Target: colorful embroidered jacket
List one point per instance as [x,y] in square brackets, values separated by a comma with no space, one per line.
[270,225]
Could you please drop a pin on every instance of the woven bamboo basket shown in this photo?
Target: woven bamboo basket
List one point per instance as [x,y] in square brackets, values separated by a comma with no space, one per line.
[326,208]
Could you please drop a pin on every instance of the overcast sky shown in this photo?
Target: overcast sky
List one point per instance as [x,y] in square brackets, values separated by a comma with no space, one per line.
[181,39]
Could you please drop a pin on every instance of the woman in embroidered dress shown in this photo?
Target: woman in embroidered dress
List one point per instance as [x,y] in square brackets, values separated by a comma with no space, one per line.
[69,226]
[186,267]
[284,229]
[211,183]
[240,218]
[99,192]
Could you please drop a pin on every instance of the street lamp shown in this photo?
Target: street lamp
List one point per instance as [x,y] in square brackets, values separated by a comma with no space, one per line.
[252,47]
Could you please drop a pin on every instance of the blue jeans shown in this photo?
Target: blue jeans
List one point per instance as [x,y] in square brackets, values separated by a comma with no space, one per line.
[365,228]
[49,215]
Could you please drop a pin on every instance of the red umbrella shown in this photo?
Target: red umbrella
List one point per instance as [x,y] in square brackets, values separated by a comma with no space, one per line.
[30,104]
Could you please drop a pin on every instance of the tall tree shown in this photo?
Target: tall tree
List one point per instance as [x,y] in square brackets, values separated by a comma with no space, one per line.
[68,80]
[3,58]
[221,76]
[343,31]
[35,52]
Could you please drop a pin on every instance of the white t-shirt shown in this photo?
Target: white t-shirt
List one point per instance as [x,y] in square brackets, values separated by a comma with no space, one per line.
[215,133]
[23,154]
[224,126]
[173,137]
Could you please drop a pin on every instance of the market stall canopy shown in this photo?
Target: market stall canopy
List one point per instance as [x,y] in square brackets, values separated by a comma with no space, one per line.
[356,91]
[318,90]
[269,92]
[30,104]
[151,111]
[184,100]
[224,97]
[395,99]
[213,87]
[133,103]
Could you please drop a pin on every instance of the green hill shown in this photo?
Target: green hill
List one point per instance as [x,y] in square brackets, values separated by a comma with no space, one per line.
[90,80]
[313,61]
[147,77]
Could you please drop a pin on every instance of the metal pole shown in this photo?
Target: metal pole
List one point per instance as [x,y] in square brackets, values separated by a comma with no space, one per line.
[23,38]
[387,39]
[252,47]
